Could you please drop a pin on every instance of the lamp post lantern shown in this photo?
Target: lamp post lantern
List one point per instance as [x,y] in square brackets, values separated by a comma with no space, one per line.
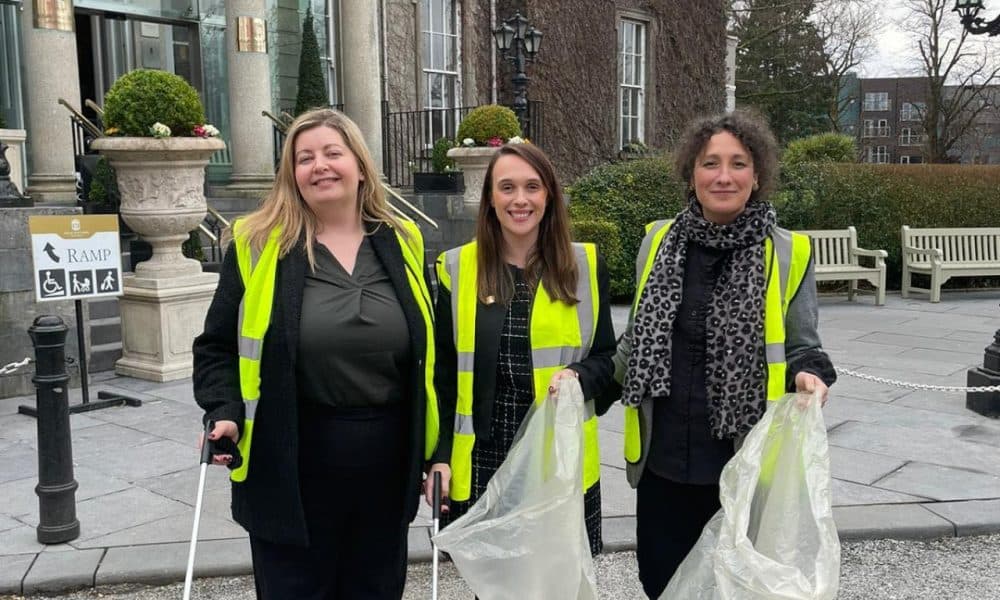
[968,13]
[518,43]
[984,403]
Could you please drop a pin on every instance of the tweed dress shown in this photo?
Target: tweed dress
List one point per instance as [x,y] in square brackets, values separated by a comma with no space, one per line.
[514,395]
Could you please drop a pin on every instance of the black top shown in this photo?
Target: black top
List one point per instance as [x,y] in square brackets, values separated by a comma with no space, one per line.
[268,504]
[352,335]
[683,448]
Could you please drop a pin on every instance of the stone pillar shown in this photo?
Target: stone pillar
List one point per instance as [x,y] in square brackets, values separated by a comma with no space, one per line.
[252,141]
[51,73]
[362,81]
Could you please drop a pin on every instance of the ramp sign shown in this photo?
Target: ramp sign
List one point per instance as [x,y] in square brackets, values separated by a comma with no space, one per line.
[75,256]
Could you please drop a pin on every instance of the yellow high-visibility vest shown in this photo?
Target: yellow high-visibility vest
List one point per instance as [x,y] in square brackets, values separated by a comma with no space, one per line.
[787,258]
[258,271]
[560,334]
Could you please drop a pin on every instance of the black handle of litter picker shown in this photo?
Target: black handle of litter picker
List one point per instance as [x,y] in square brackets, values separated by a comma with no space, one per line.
[436,494]
[223,445]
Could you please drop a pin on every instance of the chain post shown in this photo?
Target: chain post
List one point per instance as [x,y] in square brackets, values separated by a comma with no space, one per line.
[57,522]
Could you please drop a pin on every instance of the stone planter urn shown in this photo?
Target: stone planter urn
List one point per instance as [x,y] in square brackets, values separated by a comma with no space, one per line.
[161,181]
[473,162]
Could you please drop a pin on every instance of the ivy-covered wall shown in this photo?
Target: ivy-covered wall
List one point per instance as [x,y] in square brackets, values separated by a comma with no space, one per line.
[576,73]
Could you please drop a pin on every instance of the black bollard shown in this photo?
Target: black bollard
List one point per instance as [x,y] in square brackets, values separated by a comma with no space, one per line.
[56,489]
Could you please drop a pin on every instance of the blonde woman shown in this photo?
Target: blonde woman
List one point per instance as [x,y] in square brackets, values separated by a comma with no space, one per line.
[317,359]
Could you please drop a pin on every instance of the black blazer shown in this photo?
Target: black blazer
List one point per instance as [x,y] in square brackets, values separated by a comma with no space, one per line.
[268,503]
[596,370]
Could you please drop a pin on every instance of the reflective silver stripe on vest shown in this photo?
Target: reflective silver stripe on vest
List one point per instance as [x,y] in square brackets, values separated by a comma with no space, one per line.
[646,247]
[775,353]
[254,257]
[544,358]
[463,424]
[250,347]
[250,408]
[782,241]
[466,361]
[585,308]
[451,260]
[589,409]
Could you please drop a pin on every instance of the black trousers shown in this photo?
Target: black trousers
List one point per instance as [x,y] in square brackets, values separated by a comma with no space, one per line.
[669,519]
[352,472]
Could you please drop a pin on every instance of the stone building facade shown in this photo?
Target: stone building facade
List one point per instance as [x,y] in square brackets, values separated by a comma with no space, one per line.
[608,73]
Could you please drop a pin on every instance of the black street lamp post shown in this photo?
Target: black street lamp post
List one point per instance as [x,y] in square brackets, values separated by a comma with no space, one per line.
[984,403]
[968,12]
[518,43]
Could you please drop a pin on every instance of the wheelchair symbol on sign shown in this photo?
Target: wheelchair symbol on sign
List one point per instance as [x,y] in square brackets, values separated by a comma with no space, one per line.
[50,286]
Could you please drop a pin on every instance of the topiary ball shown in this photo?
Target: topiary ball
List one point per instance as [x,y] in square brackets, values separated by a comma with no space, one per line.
[139,99]
[489,121]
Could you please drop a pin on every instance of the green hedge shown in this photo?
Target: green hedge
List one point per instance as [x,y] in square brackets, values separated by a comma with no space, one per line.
[607,237]
[876,199]
[879,199]
[627,194]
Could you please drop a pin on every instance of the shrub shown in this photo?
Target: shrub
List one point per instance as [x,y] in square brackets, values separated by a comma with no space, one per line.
[823,147]
[139,99]
[607,237]
[489,121]
[879,199]
[630,195]
[439,156]
[104,186]
[312,86]
[191,248]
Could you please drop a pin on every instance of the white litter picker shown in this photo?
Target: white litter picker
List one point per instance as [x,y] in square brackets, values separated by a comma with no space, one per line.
[435,526]
[209,449]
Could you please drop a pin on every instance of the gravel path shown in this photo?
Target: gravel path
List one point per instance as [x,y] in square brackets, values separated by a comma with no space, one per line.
[953,568]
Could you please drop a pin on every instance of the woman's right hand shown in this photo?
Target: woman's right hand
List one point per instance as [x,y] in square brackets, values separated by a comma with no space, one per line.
[445,471]
[227,429]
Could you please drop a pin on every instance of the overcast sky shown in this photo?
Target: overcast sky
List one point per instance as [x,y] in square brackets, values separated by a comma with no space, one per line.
[894,57]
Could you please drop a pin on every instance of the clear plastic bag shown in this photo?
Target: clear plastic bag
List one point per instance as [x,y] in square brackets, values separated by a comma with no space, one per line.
[525,537]
[774,538]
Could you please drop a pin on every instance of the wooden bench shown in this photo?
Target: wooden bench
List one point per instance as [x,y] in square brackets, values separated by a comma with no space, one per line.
[944,253]
[835,258]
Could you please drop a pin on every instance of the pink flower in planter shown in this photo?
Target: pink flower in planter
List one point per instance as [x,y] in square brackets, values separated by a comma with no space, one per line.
[494,142]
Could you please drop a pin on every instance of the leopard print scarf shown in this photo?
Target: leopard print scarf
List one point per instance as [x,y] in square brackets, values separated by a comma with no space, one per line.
[735,367]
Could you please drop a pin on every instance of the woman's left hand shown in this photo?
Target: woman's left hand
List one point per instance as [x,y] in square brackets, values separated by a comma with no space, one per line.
[554,382]
[807,382]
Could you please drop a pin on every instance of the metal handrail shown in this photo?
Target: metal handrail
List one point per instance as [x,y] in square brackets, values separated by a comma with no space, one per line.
[84,121]
[218,217]
[408,205]
[94,106]
[277,122]
[208,232]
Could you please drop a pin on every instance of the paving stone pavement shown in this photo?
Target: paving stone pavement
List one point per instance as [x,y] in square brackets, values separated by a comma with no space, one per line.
[906,464]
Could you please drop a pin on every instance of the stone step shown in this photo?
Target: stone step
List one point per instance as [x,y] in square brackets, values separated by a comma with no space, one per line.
[105,331]
[103,356]
[103,308]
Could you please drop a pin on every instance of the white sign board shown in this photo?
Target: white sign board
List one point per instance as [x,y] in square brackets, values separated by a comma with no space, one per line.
[75,256]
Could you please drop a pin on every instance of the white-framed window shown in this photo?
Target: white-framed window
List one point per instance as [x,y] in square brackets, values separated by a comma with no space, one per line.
[875,128]
[439,63]
[876,101]
[631,81]
[878,154]
[912,111]
[904,160]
